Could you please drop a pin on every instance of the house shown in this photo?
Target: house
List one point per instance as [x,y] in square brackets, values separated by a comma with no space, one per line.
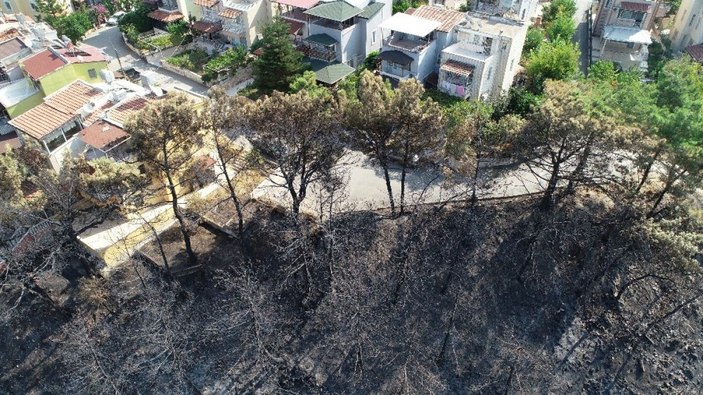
[482,60]
[237,21]
[415,40]
[82,119]
[30,7]
[622,31]
[335,36]
[168,11]
[472,55]
[688,26]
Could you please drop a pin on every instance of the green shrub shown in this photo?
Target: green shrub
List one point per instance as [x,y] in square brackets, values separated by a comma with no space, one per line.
[137,18]
[227,61]
[192,59]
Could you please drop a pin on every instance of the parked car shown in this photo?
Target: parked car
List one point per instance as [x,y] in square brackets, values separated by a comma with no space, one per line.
[115,18]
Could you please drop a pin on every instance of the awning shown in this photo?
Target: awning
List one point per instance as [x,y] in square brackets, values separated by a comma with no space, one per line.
[696,52]
[230,13]
[627,35]
[294,26]
[410,24]
[322,39]
[338,11]
[452,66]
[396,57]
[630,6]
[206,3]
[9,141]
[329,73]
[206,27]
[163,16]
[304,4]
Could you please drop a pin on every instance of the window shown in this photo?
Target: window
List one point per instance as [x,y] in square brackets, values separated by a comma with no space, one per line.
[34,6]
[7,5]
[373,37]
[692,18]
[627,14]
[488,76]
[92,73]
[512,63]
[523,13]
[631,45]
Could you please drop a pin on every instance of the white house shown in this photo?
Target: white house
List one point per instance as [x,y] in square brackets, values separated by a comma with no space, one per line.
[472,55]
[688,26]
[483,59]
[623,32]
[238,21]
[335,36]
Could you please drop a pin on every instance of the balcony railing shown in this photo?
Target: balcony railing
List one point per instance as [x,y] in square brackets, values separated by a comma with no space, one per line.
[317,52]
[405,44]
[296,14]
[330,24]
[168,5]
[394,70]
[627,23]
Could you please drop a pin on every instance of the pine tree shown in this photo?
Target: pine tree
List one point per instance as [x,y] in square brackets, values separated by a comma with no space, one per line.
[280,63]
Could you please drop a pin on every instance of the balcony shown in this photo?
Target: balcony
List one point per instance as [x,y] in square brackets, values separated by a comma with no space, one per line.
[627,23]
[395,71]
[167,5]
[406,43]
[330,24]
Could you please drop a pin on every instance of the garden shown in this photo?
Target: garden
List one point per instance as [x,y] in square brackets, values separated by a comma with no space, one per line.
[209,67]
[136,27]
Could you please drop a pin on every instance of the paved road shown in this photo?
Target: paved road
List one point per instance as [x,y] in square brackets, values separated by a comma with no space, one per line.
[581,37]
[109,40]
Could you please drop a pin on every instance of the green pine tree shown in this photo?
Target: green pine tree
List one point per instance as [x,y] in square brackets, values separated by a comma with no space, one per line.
[279,63]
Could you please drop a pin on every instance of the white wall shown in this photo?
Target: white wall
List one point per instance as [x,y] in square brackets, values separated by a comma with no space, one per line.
[688,25]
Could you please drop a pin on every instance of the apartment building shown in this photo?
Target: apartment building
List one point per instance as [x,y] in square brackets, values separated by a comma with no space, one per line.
[472,55]
[688,27]
[237,21]
[29,7]
[623,32]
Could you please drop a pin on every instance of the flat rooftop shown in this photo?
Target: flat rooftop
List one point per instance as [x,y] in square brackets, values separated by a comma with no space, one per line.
[491,25]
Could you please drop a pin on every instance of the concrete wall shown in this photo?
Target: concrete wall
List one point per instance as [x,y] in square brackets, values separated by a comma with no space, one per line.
[688,25]
[427,61]
[68,74]
[256,18]
[25,105]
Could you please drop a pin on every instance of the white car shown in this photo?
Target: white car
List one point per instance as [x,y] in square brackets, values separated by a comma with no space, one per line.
[115,18]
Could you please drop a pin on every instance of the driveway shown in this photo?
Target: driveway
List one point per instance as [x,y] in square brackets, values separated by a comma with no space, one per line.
[581,37]
[110,40]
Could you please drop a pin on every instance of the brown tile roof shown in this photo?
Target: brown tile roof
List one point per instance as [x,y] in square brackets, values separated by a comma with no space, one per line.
[230,13]
[41,120]
[97,113]
[631,6]
[206,3]
[447,18]
[102,134]
[46,62]
[9,141]
[206,27]
[163,16]
[122,112]
[57,109]
[696,52]
[71,98]
[11,47]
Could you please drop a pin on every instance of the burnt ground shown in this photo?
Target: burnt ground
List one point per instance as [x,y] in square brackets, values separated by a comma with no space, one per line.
[500,298]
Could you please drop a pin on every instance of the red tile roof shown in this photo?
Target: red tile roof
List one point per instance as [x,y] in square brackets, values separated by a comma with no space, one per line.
[48,61]
[101,134]
[630,6]
[57,110]
[163,16]
[41,120]
[126,109]
[206,3]
[9,141]
[447,18]
[230,13]
[696,52]
[304,4]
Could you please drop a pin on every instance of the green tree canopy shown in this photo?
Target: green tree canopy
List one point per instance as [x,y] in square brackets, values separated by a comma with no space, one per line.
[74,25]
[280,63]
[557,7]
[552,61]
[535,38]
[562,27]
